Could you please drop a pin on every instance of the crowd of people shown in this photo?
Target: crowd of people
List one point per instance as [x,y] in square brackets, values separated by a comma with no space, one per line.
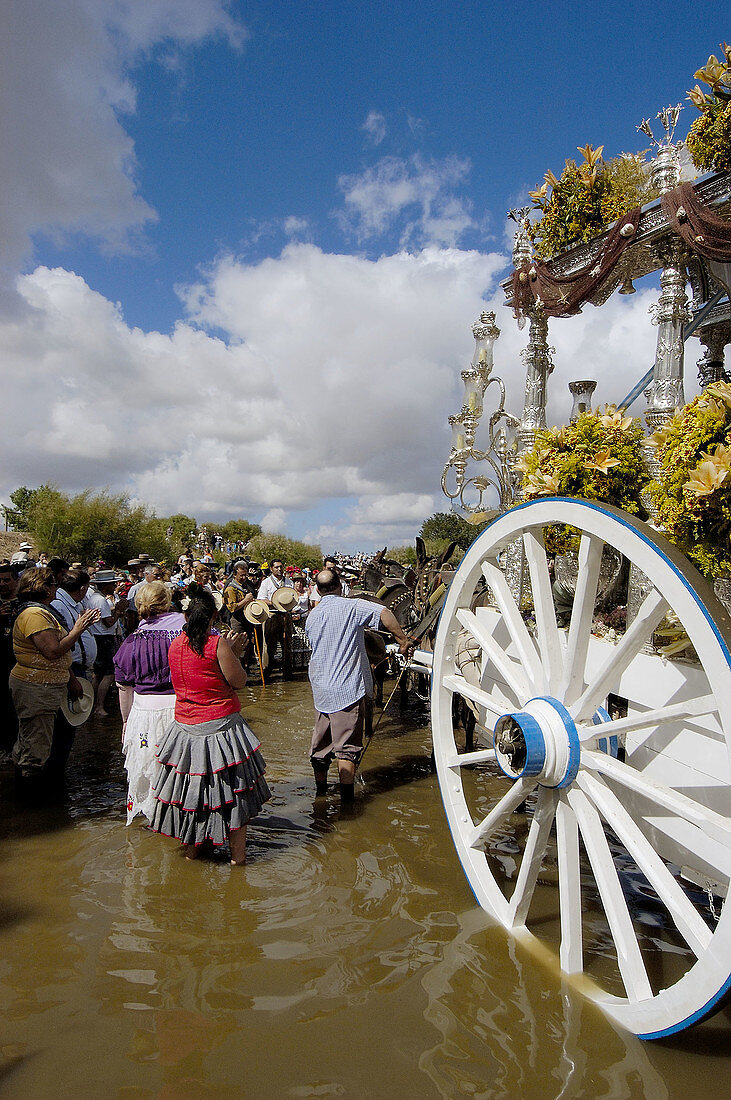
[178,644]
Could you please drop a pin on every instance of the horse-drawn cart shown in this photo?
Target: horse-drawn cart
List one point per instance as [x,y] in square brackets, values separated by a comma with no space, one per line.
[592,816]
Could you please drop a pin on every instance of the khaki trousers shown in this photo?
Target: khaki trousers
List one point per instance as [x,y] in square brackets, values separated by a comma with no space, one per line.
[36,706]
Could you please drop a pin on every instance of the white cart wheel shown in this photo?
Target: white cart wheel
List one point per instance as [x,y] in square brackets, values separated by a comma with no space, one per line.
[609,839]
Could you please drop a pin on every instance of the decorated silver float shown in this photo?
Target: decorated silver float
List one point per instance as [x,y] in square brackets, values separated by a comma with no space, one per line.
[592,815]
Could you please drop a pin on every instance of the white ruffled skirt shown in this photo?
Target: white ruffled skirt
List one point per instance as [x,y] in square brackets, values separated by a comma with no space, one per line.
[149,720]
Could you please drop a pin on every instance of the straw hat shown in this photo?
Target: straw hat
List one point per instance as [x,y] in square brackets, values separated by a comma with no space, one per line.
[284,599]
[76,711]
[257,612]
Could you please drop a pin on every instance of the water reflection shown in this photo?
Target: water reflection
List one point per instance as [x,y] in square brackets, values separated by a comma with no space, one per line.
[346,959]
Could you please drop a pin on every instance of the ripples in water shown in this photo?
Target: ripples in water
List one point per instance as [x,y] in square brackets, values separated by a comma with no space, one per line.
[346,959]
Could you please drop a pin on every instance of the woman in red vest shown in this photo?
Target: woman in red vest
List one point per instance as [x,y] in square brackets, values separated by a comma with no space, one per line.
[210,780]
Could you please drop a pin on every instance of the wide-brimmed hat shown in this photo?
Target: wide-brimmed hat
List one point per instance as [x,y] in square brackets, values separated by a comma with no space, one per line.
[76,711]
[134,561]
[257,612]
[106,576]
[25,546]
[284,599]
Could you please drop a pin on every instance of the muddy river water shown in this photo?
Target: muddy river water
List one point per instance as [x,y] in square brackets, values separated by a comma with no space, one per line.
[348,958]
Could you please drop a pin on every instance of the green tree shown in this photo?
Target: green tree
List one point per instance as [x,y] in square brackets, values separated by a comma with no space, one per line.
[238,530]
[446,527]
[267,547]
[182,532]
[17,518]
[404,555]
[94,526]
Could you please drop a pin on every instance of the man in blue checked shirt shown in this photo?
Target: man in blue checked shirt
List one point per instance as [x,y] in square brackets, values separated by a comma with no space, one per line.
[341,677]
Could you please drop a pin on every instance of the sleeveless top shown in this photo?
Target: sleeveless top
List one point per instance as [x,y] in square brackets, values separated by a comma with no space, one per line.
[201,691]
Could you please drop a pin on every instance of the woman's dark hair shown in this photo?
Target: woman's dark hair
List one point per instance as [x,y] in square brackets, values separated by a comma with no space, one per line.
[200,611]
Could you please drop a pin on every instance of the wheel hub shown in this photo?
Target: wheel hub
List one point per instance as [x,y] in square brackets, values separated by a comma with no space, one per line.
[540,741]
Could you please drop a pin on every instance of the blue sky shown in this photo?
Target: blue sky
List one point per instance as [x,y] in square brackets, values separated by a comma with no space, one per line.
[248,240]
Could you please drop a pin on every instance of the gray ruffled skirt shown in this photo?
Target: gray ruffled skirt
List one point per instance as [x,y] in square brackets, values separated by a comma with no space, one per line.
[209,781]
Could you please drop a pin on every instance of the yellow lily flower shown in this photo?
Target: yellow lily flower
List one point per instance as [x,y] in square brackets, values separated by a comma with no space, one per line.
[722,457]
[591,155]
[720,390]
[550,484]
[550,178]
[541,485]
[539,195]
[705,479]
[698,97]
[602,461]
[712,73]
[615,419]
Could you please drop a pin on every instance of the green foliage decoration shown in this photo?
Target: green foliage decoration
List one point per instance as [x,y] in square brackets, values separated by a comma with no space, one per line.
[692,494]
[597,457]
[586,199]
[709,139]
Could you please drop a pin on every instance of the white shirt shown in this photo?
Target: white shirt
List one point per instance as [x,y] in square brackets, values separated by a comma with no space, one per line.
[270,584]
[94,599]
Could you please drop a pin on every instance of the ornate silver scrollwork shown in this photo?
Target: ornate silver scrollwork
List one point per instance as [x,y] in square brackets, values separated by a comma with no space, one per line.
[496,476]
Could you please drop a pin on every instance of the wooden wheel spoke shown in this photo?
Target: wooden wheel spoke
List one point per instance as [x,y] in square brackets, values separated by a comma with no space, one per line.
[629,956]
[571,951]
[652,611]
[549,641]
[686,918]
[513,619]
[502,809]
[459,686]
[582,616]
[465,759]
[535,849]
[690,708]
[714,825]
[510,671]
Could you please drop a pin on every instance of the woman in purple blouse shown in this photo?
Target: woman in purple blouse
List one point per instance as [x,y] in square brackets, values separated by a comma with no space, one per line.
[146,695]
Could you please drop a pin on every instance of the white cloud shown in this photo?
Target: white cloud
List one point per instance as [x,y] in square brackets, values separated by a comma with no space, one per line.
[374,127]
[68,165]
[275,520]
[296,227]
[418,197]
[330,397]
[335,384]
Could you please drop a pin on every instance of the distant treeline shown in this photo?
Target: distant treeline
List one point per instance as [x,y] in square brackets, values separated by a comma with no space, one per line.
[103,526]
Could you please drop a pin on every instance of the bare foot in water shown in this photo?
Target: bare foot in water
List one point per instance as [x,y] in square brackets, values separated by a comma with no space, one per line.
[190,850]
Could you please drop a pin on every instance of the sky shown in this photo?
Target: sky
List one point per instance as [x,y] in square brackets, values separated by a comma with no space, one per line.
[242,245]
